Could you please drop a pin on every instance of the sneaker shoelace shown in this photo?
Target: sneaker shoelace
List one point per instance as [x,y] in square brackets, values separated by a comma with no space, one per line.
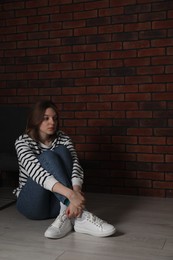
[59,221]
[95,220]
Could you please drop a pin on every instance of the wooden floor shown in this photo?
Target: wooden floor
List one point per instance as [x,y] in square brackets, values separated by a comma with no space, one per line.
[144,232]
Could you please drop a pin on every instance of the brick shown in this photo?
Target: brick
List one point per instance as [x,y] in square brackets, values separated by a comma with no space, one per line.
[168,176]
[99,122]
[27,75]
[163,149]
[89,130]
[76,122]
[98,21]
[139,148]
[151,52]
[139,166]
[138,79]
[124,19]
[162,60]
[27,92]
[46,91]
[150,158]
[38,67]
[112,148]
[38,19]
[123,54]
[124,106]
[137,62]
[111,80]
[125,36]
[111,11]
[140,131]
[138,183]
[99,89]
[87,147]
[162,96]
[112,114]
[94,5]
[152,140]
[165,5]
[73,74]
[162,42]
[162,24]
[152,16]
[136,8]
[155,105]
[122,3]
[86,114]
[151,175]
[124,139]
[49,75]
[153,123]
[125,89]
[152,88]
[86,98]
[110,97]
[139,114]
[55,14]
[25,12]
[35,52]
[126,122]
[137,26]
[71,91]
[137,96]
[97,56]
[89,16]
[85,31]
[163,185]
[95,39]
[136,44]
[85,48]
[33,4]
[86,82]
[72,57]
[163,132]
[163,78]
[152,34]
[99,106]
[163,167]
[27,28]
[109,46]
[110,28]
[109,63]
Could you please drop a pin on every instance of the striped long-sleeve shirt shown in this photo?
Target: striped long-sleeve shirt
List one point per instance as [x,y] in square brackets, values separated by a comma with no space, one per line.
[29,166]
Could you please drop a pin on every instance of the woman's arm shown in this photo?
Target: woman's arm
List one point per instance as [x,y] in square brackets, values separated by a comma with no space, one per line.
[74,196]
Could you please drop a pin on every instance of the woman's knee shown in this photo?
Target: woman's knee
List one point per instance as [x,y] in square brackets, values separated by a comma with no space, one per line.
[62,150]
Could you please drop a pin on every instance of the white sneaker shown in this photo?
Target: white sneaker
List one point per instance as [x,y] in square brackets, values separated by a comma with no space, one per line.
[92,225]
[59,228]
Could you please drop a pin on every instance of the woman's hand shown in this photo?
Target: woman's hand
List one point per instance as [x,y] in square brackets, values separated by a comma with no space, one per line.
[77,199]
[73,212]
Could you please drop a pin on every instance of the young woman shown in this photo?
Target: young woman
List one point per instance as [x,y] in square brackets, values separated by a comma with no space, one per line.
[51,178]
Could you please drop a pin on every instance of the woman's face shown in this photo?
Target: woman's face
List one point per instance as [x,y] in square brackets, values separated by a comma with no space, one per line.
[49,124]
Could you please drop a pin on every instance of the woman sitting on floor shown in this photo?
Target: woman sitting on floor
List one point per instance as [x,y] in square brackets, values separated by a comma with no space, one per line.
[51,178]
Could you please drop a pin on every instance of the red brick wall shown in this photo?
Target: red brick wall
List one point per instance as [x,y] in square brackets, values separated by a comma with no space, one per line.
[108,65]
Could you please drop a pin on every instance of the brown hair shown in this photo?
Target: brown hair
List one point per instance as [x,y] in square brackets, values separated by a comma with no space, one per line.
[36,116]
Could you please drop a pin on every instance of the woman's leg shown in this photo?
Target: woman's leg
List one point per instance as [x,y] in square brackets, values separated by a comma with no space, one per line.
[34,201]
[59,163]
